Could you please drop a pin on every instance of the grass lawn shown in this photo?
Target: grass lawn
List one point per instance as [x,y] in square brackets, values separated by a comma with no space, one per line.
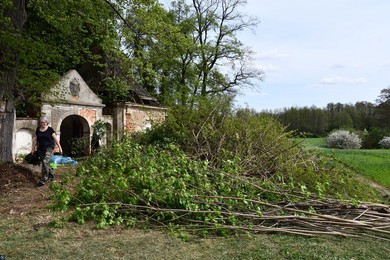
[31,237]
[373,163]
[313,142]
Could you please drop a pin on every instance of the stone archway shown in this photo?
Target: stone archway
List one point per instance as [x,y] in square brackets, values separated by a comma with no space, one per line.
[75,136]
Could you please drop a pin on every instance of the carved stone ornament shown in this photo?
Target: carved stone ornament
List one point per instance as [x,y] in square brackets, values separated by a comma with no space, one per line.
[74,87]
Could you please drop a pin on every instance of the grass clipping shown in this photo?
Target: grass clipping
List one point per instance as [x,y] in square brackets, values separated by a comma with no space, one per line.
[161,187]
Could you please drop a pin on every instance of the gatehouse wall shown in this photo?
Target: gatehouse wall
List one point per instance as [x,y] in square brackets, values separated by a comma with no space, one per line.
[73,108]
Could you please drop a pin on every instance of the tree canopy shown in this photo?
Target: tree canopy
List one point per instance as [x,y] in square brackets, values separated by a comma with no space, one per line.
[384,108]
[177,54]
[174,53]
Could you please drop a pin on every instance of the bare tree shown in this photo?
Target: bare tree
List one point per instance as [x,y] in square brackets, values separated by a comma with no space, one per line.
[217,23]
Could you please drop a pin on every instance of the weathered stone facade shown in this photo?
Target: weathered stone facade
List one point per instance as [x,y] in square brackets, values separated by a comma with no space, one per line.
[139,117]
[72,110]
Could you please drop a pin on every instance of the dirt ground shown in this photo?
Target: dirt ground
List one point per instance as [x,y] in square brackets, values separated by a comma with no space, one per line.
[19,192]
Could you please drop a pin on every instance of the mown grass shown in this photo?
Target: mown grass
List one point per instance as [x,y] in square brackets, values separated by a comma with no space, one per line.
[373,164]
[313,142]
[33,238]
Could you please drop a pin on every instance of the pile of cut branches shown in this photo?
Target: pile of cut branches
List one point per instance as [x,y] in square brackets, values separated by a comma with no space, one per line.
[150,186]
[310,218]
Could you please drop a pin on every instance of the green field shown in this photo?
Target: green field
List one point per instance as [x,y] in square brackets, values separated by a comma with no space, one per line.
[373,164]
[313,142]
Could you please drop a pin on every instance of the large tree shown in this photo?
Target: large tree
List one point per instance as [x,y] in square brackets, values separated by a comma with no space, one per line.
[217,23]
[383,108]
[193,50]
[151,42]
[40,41]
[12,17]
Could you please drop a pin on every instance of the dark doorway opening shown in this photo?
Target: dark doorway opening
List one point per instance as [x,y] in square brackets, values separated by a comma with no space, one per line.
[75,135]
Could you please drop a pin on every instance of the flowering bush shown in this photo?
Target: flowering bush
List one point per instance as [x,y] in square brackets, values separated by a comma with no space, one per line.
[344,140]
[385,142]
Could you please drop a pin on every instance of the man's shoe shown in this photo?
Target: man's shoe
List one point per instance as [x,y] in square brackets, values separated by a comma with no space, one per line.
[51,177]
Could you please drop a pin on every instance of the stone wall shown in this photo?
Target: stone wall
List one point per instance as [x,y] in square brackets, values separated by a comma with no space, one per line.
[73,108]
[140,117]
[24,132]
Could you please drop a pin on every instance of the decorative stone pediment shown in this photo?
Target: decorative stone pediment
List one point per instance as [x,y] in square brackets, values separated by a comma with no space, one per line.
[72,89]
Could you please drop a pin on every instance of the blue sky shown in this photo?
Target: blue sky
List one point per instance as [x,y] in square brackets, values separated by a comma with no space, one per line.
[314,52]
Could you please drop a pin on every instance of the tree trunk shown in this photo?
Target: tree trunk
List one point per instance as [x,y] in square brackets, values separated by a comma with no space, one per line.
[18,15]
[7,128]
[7,116]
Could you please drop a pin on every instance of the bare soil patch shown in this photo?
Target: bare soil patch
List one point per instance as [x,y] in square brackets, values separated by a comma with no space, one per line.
[19,190]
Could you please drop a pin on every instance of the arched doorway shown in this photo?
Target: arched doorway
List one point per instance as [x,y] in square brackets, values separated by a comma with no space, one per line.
[75,136]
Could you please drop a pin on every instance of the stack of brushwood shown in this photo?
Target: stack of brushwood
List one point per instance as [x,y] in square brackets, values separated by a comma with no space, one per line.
[310,218]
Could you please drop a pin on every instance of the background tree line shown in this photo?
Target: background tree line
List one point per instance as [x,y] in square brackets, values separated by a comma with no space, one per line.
[365,117]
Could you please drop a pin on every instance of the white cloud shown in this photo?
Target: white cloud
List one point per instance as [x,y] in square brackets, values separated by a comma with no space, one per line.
[386,64]
[271,55]
[345,65]
[339,66]
[342,80]
[267,67]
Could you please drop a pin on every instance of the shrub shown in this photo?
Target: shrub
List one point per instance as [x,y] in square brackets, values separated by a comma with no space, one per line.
[343,140]
[216,133]
[372,137]
[385,142]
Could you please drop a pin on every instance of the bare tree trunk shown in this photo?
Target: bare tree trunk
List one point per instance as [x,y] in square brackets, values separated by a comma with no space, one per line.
[7,127]
[7,115]
[17,14]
